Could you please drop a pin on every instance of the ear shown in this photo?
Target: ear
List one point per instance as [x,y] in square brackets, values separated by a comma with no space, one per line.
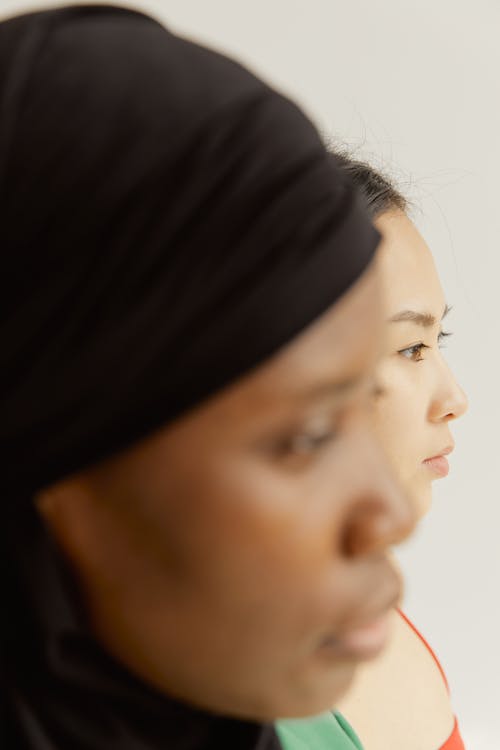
[55,501]
[66,508]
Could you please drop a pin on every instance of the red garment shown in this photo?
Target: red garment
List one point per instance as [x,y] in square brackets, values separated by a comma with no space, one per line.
[454,741]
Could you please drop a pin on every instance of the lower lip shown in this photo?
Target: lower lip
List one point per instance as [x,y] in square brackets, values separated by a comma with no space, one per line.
[438,466]
[362,643]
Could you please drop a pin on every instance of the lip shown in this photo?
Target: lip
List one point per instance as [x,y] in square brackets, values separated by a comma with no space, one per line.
[438,464]
[365,638]
[363,642]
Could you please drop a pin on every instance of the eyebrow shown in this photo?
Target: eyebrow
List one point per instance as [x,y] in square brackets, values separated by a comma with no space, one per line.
[425,319]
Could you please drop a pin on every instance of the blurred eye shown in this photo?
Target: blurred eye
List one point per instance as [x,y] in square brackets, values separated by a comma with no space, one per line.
[310,442]
[414,352]
[305,443]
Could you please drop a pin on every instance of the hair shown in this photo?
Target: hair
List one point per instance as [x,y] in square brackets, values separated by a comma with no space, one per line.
[379,192]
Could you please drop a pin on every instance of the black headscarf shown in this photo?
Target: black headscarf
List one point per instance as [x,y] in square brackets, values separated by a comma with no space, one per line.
[167,222]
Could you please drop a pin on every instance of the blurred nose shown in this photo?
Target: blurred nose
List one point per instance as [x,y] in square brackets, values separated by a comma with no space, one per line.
[383,515]
[450,401]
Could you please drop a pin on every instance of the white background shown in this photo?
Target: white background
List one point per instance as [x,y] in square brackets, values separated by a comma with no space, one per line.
[415,86]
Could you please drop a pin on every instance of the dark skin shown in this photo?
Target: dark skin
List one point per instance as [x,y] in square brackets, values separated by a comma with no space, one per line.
[220,558]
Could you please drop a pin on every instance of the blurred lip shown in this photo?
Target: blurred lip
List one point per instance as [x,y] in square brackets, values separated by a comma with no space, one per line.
[363,638]
[360,642]
[438,464]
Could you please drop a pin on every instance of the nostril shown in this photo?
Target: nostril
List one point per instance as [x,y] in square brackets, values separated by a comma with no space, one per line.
[360,530]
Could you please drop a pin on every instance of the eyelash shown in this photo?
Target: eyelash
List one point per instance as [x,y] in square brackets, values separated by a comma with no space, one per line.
[416,350]
[304,444]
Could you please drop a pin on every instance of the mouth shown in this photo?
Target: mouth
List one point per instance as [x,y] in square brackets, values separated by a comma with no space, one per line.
[363,642]
[366,637]
[438,465]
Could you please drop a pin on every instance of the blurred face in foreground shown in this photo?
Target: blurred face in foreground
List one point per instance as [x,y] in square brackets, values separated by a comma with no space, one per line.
[419,395]
[236,559]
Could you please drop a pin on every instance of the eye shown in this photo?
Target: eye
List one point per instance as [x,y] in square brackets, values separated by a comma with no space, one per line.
[414,352]
[302,444]
[305,443]
[442,336]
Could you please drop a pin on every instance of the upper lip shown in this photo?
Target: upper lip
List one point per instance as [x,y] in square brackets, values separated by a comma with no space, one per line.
[444,452]
[391,587]
[370,617]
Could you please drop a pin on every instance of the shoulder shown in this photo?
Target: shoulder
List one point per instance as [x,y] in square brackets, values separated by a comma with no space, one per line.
[400,699]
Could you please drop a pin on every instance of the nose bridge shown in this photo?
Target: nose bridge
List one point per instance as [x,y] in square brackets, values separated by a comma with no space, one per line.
[449,401]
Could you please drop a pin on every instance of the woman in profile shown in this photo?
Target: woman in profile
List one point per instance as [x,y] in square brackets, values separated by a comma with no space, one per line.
[401,699]
[418,401]
[196,514]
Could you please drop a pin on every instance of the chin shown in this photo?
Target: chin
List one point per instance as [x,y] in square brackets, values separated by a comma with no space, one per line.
[423,502]
[317,700]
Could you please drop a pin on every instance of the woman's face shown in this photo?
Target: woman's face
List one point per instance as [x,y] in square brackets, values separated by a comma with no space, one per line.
[419,396]
[237,558]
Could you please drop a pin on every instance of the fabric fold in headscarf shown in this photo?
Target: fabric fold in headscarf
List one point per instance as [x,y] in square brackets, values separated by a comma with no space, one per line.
[168,222]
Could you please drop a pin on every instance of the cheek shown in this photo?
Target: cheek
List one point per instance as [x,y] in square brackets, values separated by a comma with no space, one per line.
[399,421]
[260,543]
[254,522]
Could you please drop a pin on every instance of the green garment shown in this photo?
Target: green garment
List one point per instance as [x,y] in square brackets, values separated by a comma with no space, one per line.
[328,731]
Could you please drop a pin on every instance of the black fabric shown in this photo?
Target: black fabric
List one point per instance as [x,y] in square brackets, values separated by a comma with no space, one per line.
[63,691]
[167,222]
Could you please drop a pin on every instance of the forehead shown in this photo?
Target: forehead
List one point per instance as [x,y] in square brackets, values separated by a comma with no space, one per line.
[409,274]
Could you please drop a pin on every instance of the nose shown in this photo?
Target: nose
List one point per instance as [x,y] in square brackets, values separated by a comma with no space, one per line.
[383,515]
[450,401]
